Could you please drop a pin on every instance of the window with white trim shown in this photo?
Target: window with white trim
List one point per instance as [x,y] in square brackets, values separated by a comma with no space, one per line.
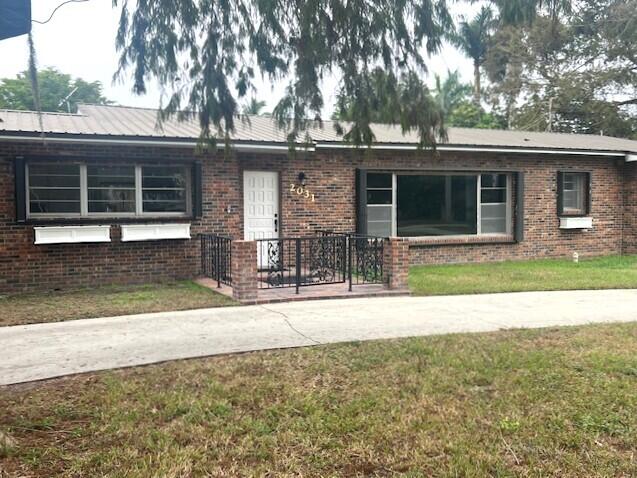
[494,203]
[380,204]
[438,204]
[55,189]
[164,189]
[573,193]
[94,190]
[111,189]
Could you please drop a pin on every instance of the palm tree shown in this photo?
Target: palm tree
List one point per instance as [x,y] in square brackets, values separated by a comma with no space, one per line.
[450,92]
[253,107]
[518,12]
[472,38]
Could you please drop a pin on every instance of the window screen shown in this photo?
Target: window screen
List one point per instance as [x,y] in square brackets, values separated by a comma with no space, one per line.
[164,189]
[379,204]
[111,189]
[54,189]
[574,187]
[493,203]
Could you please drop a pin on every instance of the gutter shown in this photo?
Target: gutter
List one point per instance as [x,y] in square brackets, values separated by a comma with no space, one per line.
[284,148]
[480,149]
[246,147]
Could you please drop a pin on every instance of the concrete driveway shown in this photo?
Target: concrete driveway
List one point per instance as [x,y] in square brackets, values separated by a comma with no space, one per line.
[41,351]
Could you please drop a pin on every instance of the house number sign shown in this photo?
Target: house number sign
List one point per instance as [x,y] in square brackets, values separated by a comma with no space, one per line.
[301,191]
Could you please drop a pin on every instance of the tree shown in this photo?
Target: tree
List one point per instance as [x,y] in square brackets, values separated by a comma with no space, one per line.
[580,64]
[472,39]
[450,92]
[467,115]
[405,101]
[54,87]
[253,107]
[207,54]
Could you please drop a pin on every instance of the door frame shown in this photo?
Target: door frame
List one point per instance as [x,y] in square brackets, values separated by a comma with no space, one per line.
[279,174]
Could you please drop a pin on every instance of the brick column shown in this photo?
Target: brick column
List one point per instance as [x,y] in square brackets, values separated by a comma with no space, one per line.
[244,271]
[396,263]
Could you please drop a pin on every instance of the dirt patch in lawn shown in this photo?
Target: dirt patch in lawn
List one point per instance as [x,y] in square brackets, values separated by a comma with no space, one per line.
[107,301]
[553,402]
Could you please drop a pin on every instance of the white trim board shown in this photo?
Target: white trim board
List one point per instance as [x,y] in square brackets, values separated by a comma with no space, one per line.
[71,234]
[154,232]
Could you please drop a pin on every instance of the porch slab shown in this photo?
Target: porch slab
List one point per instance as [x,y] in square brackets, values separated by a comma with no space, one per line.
[317,292]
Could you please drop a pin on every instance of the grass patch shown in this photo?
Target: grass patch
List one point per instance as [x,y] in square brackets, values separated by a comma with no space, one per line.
[553,402]
[613,272]
[106,301]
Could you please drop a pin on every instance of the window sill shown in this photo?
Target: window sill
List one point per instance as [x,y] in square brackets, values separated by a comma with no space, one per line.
[461,240]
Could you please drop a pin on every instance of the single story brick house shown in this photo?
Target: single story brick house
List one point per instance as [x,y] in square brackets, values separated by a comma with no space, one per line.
[105,196]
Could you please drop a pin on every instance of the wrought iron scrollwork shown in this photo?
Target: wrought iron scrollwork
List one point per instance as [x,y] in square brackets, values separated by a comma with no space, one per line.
[274,263]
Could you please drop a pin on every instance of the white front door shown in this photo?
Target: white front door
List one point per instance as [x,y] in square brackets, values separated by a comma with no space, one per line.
[260,205]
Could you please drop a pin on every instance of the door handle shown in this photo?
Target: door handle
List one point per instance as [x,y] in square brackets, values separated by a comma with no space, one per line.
[276,223]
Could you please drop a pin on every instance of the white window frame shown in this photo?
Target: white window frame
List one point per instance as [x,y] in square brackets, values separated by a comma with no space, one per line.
[84,213]
[509,209]
[509,201]
[579,180]
[392,204]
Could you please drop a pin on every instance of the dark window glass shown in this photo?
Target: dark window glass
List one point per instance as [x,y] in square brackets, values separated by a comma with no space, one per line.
[437,205]
[54,189]
[379,180]
[491,196]
[379,196]
[494,180]
[111,189]
[164,189]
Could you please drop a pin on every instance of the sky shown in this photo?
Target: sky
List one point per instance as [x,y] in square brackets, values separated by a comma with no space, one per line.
[80,41]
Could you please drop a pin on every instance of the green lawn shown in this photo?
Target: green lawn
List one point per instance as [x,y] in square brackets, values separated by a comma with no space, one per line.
[106,301]
[614,272]
[553,402]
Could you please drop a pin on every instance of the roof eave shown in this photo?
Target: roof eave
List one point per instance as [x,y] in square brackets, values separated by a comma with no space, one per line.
[280,147]
[247,146]
[477,148]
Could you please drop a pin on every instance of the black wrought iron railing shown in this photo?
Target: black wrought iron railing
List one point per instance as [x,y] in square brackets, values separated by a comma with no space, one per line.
[301,261]
[216,258]
[365,256]
[327,258]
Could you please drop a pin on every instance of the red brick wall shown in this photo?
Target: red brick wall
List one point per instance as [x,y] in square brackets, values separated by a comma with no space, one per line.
[630,208]
[244,271]
[396,263]
[331,178]
[25,266]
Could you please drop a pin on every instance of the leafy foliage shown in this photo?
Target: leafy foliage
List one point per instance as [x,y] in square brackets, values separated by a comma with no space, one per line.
[384,98]
[53,87]
[572,70]
[207,54]
[253,107]
[468,115]
[473,39]
[450,91]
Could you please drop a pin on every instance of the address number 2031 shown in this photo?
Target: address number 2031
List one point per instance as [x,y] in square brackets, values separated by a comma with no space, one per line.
[301,191]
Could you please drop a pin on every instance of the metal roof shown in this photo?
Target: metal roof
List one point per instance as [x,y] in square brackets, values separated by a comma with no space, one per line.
[127,123]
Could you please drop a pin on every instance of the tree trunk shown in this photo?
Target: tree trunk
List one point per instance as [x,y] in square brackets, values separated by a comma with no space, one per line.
[477,91]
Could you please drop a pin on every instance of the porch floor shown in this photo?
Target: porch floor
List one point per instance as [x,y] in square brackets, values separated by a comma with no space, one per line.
[317,292]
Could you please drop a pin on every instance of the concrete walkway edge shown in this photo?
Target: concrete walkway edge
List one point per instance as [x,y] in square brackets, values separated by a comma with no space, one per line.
[42,351]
